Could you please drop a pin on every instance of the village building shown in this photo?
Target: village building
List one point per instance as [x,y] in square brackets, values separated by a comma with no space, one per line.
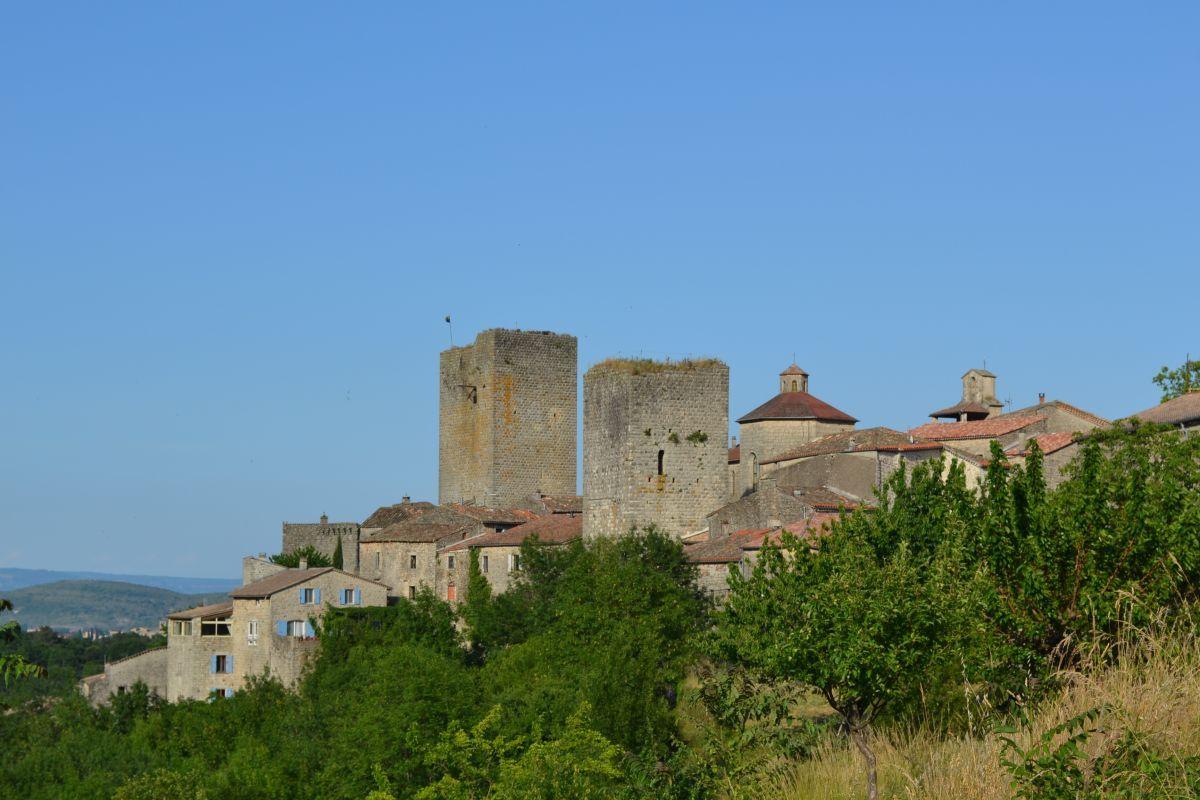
[978,399]
[1183,412]
[790,419]
[498,553]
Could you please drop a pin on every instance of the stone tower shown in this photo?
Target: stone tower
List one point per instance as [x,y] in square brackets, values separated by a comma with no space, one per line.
[507,425]
[654,436]
[978,399]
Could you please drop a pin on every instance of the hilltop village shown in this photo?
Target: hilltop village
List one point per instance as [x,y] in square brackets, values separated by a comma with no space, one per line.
[655,451]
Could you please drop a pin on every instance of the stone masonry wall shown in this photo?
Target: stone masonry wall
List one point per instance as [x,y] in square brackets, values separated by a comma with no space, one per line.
[508,418]
[772,437]
[149,667]
[629,418]
[324,536]
[388,563]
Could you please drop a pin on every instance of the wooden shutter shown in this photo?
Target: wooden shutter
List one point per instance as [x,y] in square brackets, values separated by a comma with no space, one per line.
[212,664]
[229,663]
[317,596]
[281,627]
[358,597]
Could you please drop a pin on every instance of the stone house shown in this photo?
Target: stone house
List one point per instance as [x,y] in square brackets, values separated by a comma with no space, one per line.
[404,555]
[772,506]
[976,437]
[148,667]
[499,553]
[787,421]
[1058,450]
[266,628]
[323,536]
[1183,412]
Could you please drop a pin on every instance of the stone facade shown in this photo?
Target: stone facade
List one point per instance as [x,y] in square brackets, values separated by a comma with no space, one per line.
[769,438]
[406,567]
[323,536]
[654,445]
[149,667]
[508,418]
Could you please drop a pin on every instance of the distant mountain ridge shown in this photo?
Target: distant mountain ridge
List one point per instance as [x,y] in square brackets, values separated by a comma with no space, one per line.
[16,578]
[106,605]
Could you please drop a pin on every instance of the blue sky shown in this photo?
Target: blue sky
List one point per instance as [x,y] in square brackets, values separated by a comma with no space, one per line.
[229,235]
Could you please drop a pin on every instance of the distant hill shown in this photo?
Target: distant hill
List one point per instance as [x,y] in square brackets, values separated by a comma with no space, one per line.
[13,578]
[107,605]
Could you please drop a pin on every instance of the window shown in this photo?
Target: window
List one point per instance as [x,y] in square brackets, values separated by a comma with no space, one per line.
[412,593]
[352,597]
[514,562]
[754,470]
[450,562]
[378,561]
[217,691]
[215,627]
[252,632]
[295,628]
[310,597]
[181,627]
[451,593]
[483,564]
[661,453]
[220,663]
[793,386]
[412,562]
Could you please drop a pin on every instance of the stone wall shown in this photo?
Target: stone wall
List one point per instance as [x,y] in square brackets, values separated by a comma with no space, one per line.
[654,446]
[856,474]
[189,660]
[149,667]
[768,507]
[773,437]
[508,418]
[323,536]
[255,568]
[389,563]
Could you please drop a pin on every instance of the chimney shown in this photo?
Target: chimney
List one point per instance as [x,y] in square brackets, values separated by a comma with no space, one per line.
[406,499]
[324,519]
[1041,397]
[303,563]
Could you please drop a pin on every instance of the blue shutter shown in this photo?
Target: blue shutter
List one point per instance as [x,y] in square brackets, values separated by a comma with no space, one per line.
[212,664]
[229,663]
[281,627]
[301,597]
[317,596]
[308,629]
[358,597]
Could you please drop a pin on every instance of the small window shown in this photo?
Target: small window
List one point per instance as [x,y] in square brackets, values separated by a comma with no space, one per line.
[378,560]
[483,564]
[252,632]
[661,453]
[412,562]
[451,593]
[297,628]
[182,627]
[793,386]
[308,596]
[450,562]
[221,664]
[514,562]
[412,593]
[215,627]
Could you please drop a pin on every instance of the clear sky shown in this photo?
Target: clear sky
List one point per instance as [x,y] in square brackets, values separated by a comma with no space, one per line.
[229,232]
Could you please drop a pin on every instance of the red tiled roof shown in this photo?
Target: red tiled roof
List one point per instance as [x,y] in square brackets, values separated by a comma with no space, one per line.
[390,515]
[503,516]
[823,498]
[797,405]
[976,429]
[554,529]
[1087,416]
[735,454]
[732,548]
[1178,411]
[562,504]
[852,441]
[1047,443]
[216,610]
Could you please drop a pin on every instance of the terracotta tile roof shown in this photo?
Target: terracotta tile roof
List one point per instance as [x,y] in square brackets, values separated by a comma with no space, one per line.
[273,584]
[1047,443]
[852,441]
[424,531]
[204,612]
[797,405]
[1039,408]
[554,529]
[1181,410]
[733,548]
[823,498]
[961,407]
[977,429]
[735,454]
[502,516]
[562,504]
[390,515]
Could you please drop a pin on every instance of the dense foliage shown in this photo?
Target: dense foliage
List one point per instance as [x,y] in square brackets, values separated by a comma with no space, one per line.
[312,555]
[604,672]
[63,659]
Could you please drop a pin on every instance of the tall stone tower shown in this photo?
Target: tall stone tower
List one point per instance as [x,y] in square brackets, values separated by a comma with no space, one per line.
[654,436]
[507,425]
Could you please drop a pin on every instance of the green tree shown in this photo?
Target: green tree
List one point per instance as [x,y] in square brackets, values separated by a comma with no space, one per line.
[337,554]
[311,554]
[1178,381]
[871,615]
[13,666]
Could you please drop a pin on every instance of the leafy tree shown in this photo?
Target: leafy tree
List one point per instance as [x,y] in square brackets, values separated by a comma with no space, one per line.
[314,557]
[162,784]
[13,666]
[337,554]
[1178,381]
[869,616]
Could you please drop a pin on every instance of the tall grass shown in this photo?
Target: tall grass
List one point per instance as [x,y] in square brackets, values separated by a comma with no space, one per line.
[1146,680]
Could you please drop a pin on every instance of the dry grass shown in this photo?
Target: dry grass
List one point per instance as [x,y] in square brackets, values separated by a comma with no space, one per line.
[647,366]
[1149,683]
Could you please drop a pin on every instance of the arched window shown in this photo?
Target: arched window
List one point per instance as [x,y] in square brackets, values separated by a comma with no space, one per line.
[793,386]
[661,453]
[754,470]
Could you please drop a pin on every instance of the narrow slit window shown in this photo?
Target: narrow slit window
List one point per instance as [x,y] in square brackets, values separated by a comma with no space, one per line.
[661,453]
